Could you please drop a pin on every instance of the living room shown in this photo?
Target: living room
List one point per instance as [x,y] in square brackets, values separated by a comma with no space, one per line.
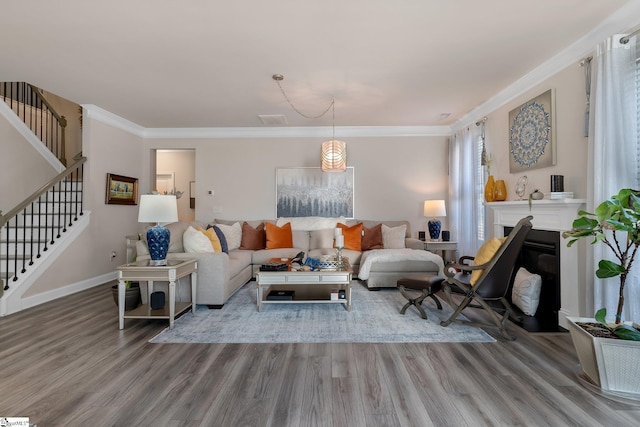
[402,165]
[84,371]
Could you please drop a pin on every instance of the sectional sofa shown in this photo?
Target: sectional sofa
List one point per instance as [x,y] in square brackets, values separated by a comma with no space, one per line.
[380,252]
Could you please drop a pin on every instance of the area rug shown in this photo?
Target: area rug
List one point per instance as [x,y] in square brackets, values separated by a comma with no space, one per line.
[374,318]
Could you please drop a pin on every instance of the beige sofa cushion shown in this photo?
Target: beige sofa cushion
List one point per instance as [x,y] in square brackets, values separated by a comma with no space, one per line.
[319,239]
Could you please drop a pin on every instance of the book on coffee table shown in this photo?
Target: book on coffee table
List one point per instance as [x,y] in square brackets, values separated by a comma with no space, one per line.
[280,295]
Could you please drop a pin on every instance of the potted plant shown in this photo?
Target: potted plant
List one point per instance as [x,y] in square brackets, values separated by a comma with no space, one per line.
[132,297]
[610,353]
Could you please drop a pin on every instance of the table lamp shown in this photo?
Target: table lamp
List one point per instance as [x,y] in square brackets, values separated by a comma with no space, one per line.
[158,208]
[433,209]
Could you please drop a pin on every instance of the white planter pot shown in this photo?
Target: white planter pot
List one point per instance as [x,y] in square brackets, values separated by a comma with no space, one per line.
[612,364]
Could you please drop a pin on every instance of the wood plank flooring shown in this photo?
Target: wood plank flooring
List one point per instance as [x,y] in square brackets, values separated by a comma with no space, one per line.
[65,363]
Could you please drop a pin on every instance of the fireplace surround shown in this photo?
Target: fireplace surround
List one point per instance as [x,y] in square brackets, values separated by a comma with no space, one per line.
[551,215]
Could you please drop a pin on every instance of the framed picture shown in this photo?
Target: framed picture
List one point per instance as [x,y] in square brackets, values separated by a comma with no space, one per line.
[310,192]
[121,190]
[532,129]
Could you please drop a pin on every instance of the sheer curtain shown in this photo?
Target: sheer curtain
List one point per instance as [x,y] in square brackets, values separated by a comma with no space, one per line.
[463,190]
[612,160]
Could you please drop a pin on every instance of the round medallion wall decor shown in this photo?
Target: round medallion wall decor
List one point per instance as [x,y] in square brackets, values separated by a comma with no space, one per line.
[529,134]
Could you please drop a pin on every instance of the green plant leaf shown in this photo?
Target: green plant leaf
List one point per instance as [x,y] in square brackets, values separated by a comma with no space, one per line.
[608,269]
[601,315]
[627,332]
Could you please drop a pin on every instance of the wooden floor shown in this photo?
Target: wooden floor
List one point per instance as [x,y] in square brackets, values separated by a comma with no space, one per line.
[65,363]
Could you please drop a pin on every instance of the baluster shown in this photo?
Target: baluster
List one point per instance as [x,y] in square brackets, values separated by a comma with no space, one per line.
[59,210]
[46,218]
[66,203]
[15,248]
[40,226]
[31,234]
[24,240]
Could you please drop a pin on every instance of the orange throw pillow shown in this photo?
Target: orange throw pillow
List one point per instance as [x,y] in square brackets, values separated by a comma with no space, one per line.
[352,236]
[279,237]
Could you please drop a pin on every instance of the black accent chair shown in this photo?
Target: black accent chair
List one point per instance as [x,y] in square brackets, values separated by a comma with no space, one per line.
[490,291]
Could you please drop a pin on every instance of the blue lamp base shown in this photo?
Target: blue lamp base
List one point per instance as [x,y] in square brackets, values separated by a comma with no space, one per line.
[158,241]
[434,229]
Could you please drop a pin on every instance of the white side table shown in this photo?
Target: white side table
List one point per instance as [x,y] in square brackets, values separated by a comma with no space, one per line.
[141,271]
[447,250]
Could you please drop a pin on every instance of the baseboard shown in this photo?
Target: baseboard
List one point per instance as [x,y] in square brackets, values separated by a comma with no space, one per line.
[64,291]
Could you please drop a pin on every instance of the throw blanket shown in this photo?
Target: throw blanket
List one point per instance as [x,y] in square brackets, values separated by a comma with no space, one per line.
[391,255]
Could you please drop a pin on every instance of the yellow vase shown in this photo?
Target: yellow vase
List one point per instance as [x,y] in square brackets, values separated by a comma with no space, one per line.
[500,191]
[489,189]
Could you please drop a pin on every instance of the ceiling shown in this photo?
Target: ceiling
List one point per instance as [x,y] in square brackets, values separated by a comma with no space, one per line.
[199,63]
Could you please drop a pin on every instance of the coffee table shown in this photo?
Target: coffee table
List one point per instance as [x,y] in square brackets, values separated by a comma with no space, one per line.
[309,286]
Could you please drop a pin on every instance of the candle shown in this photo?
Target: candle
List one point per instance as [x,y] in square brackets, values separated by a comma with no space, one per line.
[340,241]
[337,231]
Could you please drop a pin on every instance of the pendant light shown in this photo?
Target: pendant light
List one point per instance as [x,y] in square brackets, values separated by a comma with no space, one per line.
[333,153]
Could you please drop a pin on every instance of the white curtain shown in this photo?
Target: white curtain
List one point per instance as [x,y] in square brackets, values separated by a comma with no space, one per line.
[463,190]
[612,161]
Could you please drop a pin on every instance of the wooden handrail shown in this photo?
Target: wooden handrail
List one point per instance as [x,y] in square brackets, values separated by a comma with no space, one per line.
[78,160]
[62,120]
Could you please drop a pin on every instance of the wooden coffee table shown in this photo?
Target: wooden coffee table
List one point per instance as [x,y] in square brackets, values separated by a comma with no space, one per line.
[309,286]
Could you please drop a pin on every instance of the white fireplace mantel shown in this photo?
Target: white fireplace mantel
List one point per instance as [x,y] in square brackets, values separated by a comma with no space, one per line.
[552,215]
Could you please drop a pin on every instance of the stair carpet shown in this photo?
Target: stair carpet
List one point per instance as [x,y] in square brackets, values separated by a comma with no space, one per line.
[56,211]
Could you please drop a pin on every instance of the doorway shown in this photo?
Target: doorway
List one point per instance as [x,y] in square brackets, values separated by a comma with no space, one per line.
[176,174]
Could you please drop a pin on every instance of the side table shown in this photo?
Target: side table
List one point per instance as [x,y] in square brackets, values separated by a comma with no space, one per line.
[142,271]
[447,249]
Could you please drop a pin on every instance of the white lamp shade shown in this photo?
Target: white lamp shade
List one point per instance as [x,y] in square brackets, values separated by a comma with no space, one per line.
[333,157]
[158,208]
[434,208]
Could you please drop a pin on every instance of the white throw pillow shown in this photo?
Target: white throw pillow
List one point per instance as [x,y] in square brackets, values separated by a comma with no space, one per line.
[309,223]
[233,234]
[393,237]
[526,291]
[196,242]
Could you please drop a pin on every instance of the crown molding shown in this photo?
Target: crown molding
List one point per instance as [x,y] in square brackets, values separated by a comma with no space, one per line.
[99,114]
[298,132]
[624,20]
[106,117]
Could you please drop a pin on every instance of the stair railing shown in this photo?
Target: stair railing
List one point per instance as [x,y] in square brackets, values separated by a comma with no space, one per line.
[42,223]
[36,112]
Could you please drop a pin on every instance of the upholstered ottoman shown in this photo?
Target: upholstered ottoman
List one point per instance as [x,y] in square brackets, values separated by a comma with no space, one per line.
[416,290]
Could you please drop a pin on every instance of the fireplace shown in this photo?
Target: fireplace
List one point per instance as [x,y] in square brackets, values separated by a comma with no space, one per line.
[550,216]
[540,254]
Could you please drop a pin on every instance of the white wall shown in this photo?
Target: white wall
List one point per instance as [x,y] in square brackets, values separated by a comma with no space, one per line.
[393,175]
[108,150]
[571,145]
[23,169]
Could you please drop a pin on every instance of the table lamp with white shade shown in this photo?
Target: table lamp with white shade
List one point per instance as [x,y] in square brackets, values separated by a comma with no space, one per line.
[158,208]
[434,209]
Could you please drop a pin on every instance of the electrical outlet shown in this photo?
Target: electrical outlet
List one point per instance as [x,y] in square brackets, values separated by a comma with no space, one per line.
[217,210]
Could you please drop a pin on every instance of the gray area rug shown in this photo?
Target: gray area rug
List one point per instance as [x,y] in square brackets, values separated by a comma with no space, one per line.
[374,318]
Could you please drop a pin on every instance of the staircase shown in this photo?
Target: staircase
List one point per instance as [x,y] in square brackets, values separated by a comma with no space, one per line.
[29,231]
[32,232]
